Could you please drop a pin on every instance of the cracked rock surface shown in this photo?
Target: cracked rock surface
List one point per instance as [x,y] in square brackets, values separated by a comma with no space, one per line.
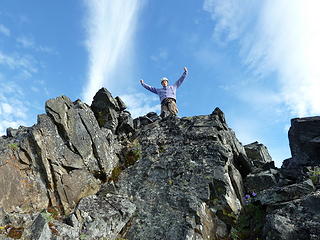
[93,172]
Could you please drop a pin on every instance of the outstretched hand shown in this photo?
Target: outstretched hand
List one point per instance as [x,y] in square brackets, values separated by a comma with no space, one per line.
[185,69]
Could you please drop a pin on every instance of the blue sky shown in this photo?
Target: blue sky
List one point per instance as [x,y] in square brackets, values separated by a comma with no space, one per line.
[256,60]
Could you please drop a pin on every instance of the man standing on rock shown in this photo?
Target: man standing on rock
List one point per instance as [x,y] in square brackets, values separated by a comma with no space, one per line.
[167,94]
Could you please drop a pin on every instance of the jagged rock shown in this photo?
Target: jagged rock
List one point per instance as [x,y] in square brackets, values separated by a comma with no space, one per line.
[125,123]
[291,170]
[40,229]
[304,139]
[109,176]
[21,189]
[11,224]
[11,132]
[153,116]
[260,181]
[144,120]
[121,104]
[64,231]
[299,219]
[259,156]
[286,193]
[61,159]
[104,215]
[185,182]
[110,113]
[84,147]
[106,109]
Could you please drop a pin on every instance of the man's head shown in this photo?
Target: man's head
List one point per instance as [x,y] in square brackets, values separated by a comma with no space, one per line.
[164,81]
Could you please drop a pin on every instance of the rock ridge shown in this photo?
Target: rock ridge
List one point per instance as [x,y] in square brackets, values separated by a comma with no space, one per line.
[93,172]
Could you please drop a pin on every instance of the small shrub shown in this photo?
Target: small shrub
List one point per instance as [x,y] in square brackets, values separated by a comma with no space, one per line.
[115,174]
[13,146]
[314,175]
[131,154]
[161,149]
[47,216]
[54,212]
[249,224]
[83,236]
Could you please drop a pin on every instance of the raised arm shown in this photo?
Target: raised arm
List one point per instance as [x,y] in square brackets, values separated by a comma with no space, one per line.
[146,86]
[181,79]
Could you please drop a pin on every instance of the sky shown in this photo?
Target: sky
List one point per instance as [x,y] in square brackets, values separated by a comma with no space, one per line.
[257,60]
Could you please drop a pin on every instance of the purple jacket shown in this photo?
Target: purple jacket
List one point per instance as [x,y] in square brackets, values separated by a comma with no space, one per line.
[168,91]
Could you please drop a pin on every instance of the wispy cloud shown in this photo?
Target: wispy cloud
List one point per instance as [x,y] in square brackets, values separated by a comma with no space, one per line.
[140,104]
[26,64]
[4,30]
[13,107]
[28,42]
[110,26]
[280,37]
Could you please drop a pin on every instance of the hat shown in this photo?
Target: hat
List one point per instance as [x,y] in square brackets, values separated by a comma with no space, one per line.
[164,79]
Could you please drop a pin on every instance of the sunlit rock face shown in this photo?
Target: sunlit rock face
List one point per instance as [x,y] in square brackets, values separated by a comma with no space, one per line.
[93,172]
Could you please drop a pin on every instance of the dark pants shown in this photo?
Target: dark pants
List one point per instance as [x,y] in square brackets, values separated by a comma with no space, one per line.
[168,107]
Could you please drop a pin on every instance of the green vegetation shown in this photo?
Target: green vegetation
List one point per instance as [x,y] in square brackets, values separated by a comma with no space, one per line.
[315,175]
[83,236]
[54,212]
[47,216]
[115,174]
[161,149]
[13,146]
[250,222]
[131,154]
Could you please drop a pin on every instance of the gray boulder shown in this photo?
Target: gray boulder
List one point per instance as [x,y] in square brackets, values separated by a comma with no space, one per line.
[184,185]
[304,139]
[273,196]
[297,219]
[260,181]
[259,156]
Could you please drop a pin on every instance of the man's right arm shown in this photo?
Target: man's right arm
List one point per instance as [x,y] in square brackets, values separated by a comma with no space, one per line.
[146,86]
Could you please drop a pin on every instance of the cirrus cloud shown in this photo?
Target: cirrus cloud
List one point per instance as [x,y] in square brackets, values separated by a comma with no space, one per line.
[110,27]
[280,37]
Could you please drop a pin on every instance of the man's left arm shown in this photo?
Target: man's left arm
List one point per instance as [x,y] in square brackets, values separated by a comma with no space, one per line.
[181,79]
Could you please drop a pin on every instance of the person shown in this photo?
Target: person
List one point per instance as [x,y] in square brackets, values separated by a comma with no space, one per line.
[167,94]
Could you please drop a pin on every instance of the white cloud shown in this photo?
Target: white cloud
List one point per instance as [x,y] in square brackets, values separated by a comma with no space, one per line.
[13,107]
[280,37]
[4,124]
[110,26]
[140,104]
[6,108]
[28,42]
[25,42]
[4,30]
[25,63]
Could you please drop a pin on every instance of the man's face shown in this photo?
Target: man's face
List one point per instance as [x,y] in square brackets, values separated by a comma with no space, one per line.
[164,83]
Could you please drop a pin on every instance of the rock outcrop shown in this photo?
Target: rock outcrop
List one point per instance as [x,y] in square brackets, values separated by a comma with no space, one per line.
[92,172]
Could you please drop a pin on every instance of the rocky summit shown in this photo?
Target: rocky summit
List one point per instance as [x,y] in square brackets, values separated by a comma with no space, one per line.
[93,172]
